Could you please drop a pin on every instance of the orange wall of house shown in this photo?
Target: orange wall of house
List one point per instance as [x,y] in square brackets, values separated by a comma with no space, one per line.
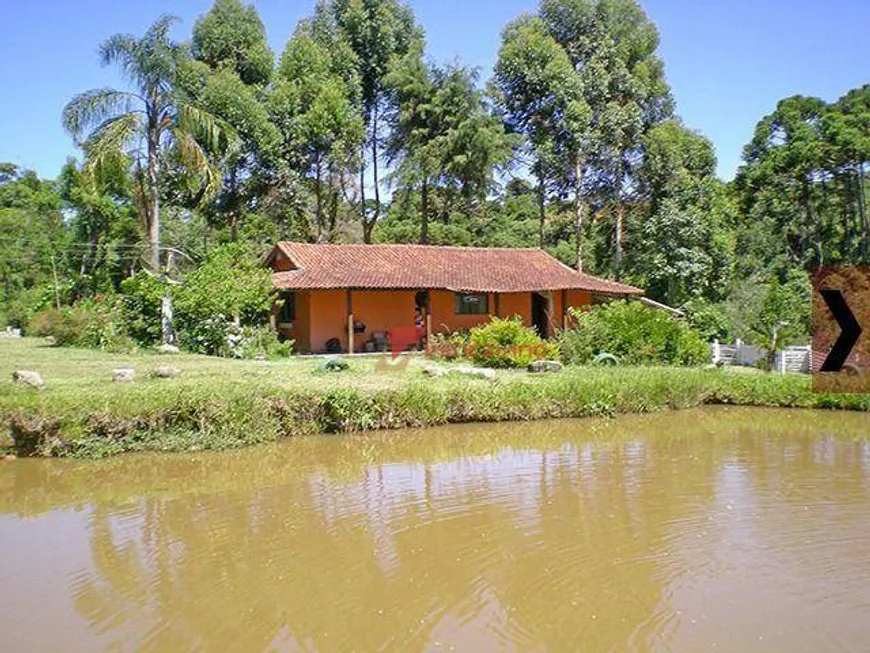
[443,318]
[518,303]
[328,318]
[378,310]
[575,299]
[382,311]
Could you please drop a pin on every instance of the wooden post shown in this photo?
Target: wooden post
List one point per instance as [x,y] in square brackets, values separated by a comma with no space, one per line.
[349,322]
[428,317]
[497,304]
[564,310]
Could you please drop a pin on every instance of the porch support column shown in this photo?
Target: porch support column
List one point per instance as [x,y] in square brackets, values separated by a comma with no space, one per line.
[564,310]
[349,322]
[428,317]
[497,304]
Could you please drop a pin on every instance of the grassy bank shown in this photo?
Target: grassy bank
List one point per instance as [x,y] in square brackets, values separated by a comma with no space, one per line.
[220,403]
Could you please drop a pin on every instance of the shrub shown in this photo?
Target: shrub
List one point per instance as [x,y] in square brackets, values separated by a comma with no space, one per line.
[262,341]
[635,334]
[708,319]
[210,335]
[230,288]
[218,336]
[231,282]
[447,347]
[507,343]
[141,307]
[90,323]
[20,310]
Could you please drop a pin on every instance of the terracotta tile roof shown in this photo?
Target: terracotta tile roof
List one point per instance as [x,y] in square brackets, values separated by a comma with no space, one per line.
[460,269]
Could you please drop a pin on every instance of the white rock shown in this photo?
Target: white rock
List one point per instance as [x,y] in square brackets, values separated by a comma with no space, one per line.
[483,372]
[28,378]
[124,375]
[166,372]
[168,349]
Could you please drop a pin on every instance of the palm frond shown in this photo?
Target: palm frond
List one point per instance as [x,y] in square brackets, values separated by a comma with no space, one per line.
[121,49]
[159,29]
[215,134]
[159,56]
[111,140]
[92,108]
[196,162]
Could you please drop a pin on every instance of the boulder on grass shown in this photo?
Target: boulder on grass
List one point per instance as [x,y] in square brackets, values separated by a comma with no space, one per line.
[166,372]
[29,378]
[432,370]
[482,372]
[124,375]
[168,349]
[544,367]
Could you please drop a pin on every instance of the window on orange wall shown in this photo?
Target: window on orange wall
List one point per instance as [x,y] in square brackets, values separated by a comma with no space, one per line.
[470,303]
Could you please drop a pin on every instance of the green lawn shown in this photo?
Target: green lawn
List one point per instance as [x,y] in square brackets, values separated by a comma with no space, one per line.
[219,403]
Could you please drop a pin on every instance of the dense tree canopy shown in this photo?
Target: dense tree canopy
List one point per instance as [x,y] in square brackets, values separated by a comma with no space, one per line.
[353,134]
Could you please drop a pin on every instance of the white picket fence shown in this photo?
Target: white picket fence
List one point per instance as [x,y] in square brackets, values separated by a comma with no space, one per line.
[795,359]
[791,359]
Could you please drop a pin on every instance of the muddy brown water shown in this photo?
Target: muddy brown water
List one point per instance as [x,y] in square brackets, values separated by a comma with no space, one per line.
[717,529]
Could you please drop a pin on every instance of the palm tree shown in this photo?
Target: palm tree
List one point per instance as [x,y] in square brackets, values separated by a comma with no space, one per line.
[151,126]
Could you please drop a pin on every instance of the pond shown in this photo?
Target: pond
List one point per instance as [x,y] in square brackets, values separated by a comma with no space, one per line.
[714,529]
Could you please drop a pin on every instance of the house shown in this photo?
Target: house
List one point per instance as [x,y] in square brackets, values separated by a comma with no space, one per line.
[352,298]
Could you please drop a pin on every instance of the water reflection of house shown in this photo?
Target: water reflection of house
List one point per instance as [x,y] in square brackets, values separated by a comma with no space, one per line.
[333,295]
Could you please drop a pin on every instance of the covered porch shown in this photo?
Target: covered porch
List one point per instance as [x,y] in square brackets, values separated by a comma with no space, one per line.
[356,320]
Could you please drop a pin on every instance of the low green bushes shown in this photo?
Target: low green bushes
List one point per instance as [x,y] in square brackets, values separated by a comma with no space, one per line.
[634,334]
[93,323]
[505,343]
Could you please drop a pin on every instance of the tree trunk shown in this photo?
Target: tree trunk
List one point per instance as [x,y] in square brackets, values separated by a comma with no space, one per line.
[620,218]
[377,213]
[318,201]
[862,208]
[233,216]
[333,215]
[153,193]
[542,209]
[578,213]
[424,213]
[362,189]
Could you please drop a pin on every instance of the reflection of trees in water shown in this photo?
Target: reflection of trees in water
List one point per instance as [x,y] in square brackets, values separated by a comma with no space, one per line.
[551,542]
[547,541]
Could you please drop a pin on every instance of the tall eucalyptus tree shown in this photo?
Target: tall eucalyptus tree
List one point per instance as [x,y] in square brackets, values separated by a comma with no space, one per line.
[378,32]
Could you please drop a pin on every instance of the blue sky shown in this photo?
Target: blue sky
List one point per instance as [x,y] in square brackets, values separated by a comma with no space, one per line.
[728,61]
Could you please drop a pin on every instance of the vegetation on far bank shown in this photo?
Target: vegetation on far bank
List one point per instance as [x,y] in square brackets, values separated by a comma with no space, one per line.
[218,403]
